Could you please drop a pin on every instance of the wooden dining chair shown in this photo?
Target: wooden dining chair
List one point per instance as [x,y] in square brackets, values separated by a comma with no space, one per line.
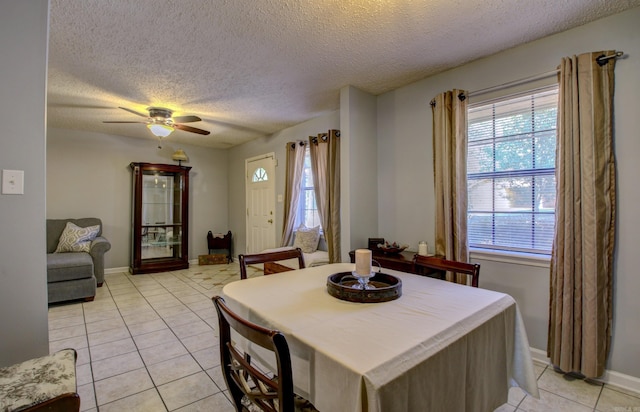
[249,387]
[444,266]
[270,261]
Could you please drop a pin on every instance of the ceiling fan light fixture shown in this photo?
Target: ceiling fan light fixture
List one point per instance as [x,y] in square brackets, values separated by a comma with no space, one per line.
[160,122]
[160,130]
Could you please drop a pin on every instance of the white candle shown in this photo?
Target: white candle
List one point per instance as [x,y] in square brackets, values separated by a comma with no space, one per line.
[363,262]
[423,248]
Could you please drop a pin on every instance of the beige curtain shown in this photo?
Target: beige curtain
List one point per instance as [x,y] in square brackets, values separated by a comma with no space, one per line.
[325,163]
[450,177]
[293,179]
[582,258]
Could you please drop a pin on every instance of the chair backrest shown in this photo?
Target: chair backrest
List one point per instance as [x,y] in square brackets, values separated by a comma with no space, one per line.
[432,262]
[268,257]
[243,379]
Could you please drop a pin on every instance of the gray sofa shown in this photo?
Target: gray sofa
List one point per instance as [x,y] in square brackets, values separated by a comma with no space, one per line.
[74,275]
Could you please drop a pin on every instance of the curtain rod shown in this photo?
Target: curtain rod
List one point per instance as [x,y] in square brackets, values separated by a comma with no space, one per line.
[509,84]
[322,136]
[602,60]
[300,142]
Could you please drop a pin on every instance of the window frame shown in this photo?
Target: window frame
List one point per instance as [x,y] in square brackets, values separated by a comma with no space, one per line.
[515,254]
[304,190]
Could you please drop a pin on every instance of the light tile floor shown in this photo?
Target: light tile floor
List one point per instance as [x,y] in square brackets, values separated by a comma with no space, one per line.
[149,343]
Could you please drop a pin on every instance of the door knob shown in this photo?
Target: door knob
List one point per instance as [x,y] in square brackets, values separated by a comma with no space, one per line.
[270,220]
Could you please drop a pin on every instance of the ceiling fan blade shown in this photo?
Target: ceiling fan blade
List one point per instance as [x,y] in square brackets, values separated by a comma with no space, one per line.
[133,111]
[186,119]
[190,129]
[118,121]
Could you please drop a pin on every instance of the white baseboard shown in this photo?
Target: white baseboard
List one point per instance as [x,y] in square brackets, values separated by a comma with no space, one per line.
[621,380]
[117,270]
[539,355]
[196,262]
[126,269]
[612,378]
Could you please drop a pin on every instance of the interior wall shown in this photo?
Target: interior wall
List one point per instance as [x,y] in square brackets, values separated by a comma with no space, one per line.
[405,170]
[358,168]
[23,287]
[406,208]
[273,143]
[88,175]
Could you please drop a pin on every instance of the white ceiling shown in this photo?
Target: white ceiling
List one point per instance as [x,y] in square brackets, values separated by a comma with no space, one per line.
[249,68]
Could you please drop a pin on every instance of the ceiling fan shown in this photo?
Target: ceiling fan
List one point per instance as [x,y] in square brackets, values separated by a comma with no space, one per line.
[160,122]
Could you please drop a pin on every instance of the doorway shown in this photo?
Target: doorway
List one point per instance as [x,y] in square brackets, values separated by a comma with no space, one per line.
[260,198]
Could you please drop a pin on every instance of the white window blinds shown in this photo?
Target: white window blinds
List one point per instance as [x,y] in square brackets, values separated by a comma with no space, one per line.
[511,172]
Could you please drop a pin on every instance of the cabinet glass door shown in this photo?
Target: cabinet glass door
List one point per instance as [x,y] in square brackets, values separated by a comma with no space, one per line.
[161,235]
[159,223]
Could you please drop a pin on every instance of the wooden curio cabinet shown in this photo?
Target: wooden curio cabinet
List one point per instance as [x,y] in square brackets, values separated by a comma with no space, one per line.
[160,218]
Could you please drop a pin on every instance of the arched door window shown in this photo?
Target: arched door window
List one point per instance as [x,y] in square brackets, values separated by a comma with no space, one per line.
[260,175]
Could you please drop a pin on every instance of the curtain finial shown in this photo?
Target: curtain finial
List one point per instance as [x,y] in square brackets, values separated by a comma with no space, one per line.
[603,59]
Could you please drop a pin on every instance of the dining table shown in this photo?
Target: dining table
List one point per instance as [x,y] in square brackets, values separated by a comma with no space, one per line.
[439,346]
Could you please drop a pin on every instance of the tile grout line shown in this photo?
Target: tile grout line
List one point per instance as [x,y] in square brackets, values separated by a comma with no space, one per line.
[155,386]
[93,380]
[146,366]
[167,286]
[92,361]
[126,325]
[186,283]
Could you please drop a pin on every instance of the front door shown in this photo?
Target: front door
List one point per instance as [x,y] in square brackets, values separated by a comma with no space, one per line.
[261,186]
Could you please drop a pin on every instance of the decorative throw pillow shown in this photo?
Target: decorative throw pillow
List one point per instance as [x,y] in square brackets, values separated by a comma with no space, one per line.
[76,239]
[307,239]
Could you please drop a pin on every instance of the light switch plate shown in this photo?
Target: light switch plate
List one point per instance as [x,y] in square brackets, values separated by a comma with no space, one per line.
[13,182]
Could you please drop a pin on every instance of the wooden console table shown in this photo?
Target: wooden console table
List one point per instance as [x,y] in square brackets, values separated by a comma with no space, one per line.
[402,261]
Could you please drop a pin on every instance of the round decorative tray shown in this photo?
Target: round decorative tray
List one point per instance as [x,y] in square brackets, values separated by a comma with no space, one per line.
[384,288]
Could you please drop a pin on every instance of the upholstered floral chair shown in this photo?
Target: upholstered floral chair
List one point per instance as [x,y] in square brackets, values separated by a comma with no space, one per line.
[47,383]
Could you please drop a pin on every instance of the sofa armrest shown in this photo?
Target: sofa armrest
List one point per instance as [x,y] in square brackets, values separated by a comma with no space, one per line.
[99,246]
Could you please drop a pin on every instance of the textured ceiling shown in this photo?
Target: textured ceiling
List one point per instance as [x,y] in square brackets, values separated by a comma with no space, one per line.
[251,68]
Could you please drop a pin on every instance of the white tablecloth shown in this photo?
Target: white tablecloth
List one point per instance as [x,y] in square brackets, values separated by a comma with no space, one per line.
[439,347]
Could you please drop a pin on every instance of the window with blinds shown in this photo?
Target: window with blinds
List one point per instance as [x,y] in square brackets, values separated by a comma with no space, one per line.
[307,208]
[511,172]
